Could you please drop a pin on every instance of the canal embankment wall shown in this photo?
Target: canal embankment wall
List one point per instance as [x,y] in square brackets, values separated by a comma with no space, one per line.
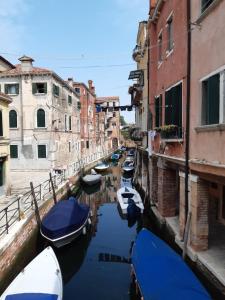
[18,246]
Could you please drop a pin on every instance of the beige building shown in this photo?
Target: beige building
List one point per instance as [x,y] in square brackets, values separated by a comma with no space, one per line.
[44,121]
[4,143]
[110,105]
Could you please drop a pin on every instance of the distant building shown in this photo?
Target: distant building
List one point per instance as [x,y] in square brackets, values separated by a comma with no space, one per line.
[112,120]
[44,121]
[87,117]
[4,144]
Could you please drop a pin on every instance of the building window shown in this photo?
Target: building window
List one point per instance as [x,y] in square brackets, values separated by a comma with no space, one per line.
[42,153]
[211,100]
[206,4]
[39,88]
[40,118]
[1,124]
[87,144]
[69,99]
[78,105]
[160,48]
[55,90]
[170,34]
[13,151]
[12,119]
[158,111]
[70,123]
[65,120]
[77,90]
[12,89]
[69,146]
[173,106]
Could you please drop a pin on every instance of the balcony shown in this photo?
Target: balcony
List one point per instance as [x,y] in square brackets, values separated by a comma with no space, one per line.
[137,53]
[170,133]
[136,92]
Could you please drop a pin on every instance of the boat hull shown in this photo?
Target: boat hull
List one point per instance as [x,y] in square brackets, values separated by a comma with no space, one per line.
[66,239]
[92,179]
[33,280]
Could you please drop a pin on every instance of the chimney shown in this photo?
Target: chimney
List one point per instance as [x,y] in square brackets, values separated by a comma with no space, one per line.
[70,81]
[26,63]
[91,87]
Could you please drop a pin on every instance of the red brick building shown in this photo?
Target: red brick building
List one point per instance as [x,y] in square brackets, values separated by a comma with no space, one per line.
[167,99]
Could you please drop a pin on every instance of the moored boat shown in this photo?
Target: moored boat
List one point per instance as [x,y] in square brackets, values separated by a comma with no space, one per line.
[115,156]
[126,182]
[101,166]
[124,195]
[41,279]
[92,179]
[128,166]
[161,273]
[65,221]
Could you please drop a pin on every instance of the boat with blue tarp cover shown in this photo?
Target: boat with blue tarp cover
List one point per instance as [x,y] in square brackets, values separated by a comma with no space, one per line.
[33,283]
[161,273]
[65,221]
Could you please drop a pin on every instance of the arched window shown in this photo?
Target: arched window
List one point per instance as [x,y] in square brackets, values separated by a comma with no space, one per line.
[40,118]
[12,119]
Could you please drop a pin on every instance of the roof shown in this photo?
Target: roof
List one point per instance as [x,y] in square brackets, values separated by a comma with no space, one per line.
[5,97]
[6,62]
[85,86]
[107,99]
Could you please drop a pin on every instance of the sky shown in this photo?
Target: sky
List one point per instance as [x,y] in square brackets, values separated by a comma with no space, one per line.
[83,39]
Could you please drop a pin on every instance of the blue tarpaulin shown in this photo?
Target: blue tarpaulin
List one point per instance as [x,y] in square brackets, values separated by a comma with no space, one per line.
[32,296]
[63,218]
[161,273]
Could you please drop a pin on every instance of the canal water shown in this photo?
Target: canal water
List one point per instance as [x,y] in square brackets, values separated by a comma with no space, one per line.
[96,265]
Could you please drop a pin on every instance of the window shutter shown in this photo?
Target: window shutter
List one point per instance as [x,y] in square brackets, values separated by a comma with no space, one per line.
[157,112]
[34,88]
[40,118]
[1,124]
[12,119]
[17,88]
[13,151]
[42,151]
[45,88]
[168,107]
[70,123]
[6,88]
[213,99]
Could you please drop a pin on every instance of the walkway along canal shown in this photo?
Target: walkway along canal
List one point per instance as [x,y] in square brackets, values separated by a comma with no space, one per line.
[96,266]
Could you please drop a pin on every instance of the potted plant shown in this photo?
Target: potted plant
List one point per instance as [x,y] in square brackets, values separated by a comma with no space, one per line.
[169,131]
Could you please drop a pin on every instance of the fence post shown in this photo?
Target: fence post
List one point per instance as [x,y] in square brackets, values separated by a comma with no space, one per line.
[36,205]
[6,220]
[53,188]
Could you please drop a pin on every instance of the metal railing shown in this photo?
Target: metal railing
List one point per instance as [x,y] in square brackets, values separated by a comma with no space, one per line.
[24,204]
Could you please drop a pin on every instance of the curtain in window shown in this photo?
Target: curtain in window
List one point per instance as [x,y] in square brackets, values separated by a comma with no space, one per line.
[40,118]
[12,119]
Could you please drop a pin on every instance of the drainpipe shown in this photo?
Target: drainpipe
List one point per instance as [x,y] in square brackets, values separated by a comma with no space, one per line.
[187,137]
[21,111]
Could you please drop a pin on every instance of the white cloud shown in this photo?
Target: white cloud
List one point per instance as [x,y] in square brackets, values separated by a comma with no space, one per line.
[12,30]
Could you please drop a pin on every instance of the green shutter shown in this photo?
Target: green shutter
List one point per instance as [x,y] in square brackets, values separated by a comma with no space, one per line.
[12,119]
[13,151]
[34,88]
[168,108]
[1,124]
[6,89]
[157,112]
[42,151]
[69,99]
[213,99]
[40,118]
[17,88]
[45,87]
[70,123]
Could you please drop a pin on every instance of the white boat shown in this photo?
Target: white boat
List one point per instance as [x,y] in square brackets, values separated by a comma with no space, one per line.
[41,279]
[128,166]
[129,158]
[125,194]
[101,166]
[126,182]
[92,178]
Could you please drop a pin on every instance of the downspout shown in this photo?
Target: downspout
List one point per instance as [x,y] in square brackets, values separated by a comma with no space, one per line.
[21,111]
[187,137]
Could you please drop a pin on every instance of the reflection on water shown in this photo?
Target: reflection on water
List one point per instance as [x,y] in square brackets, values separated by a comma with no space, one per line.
[96,266]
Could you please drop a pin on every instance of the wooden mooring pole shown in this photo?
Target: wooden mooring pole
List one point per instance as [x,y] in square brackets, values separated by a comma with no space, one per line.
[38,218]
[53,188]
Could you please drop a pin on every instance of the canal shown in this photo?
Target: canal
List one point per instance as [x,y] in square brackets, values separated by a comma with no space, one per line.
[96,265]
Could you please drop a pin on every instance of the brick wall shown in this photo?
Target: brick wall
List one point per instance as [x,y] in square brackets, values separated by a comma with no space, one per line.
[153,180]
[167,192]
[199,209]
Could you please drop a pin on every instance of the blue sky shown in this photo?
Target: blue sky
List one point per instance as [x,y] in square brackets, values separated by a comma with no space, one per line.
[83,39]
